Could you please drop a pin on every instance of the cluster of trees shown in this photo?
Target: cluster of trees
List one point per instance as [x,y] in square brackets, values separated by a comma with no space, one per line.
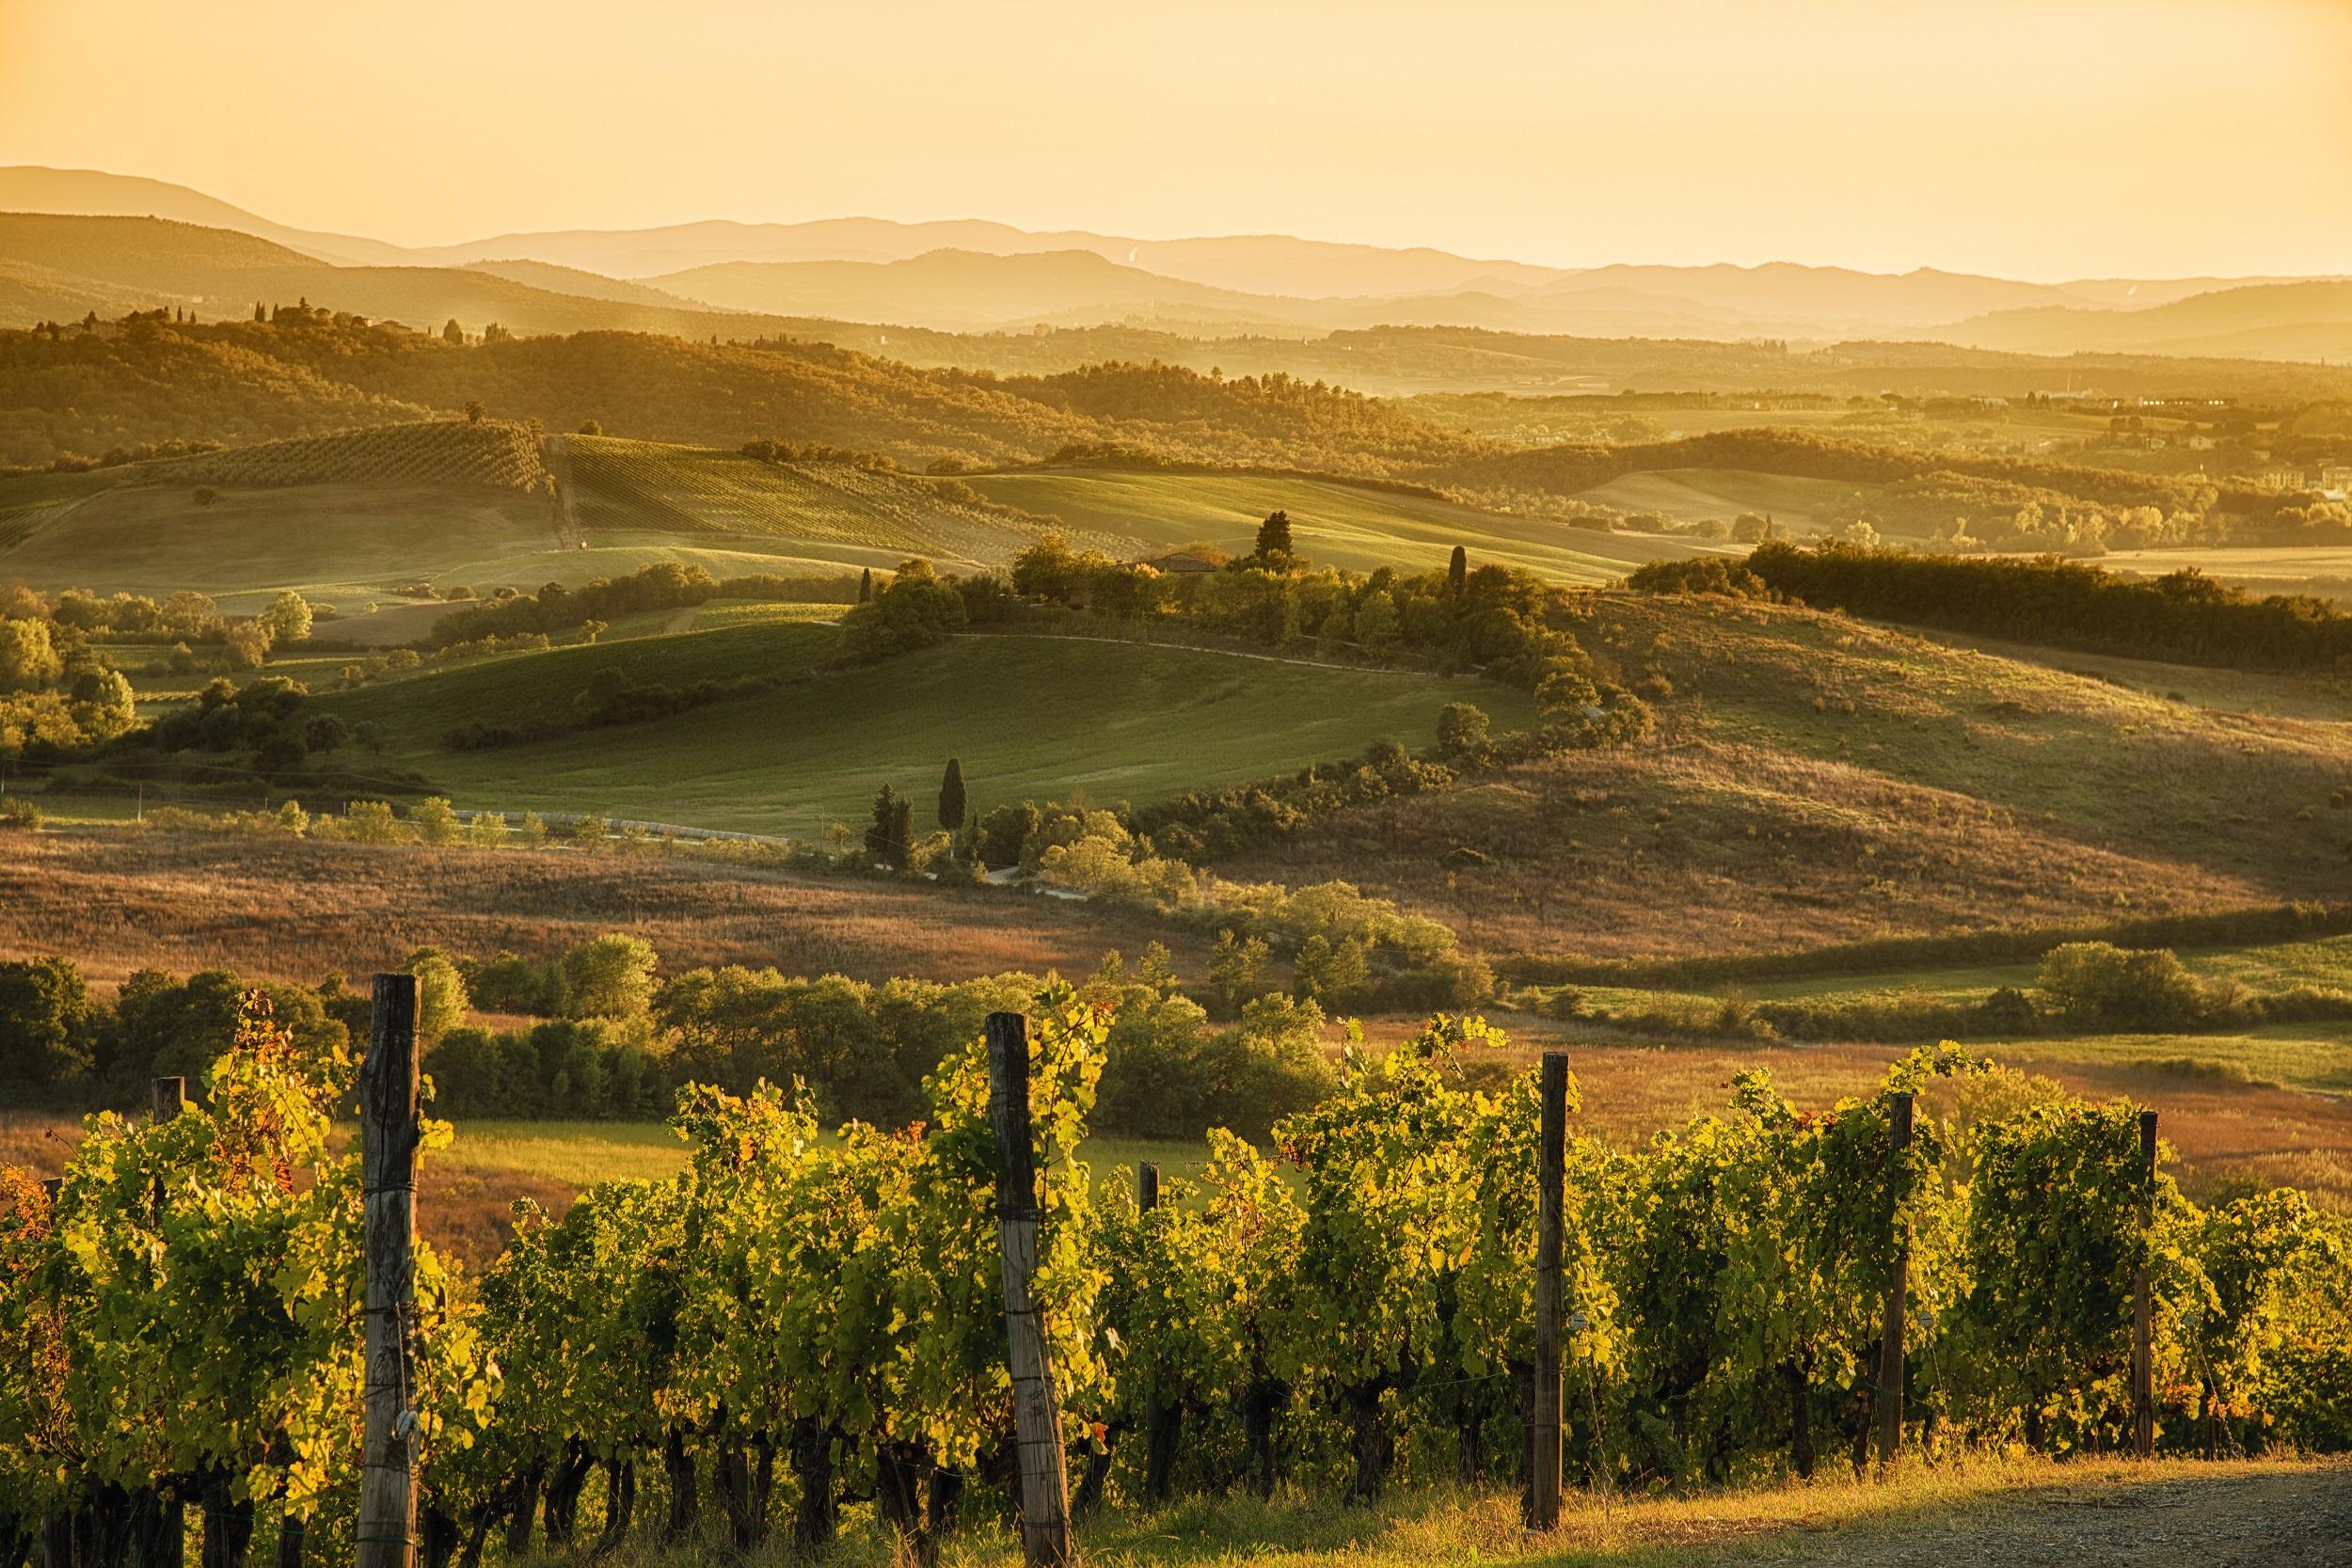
[611,1037]
[1967,511]
[269,717]
[60,1045]
[57,691]
[798,1321]
[1202,826]
[917,609]
[2183,616]
[1508,623]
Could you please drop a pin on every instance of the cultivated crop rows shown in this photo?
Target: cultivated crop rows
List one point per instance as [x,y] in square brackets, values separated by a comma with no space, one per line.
[799,1323]
[505,456]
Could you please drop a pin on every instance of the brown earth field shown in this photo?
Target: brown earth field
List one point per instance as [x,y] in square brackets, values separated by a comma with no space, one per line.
[1817,780]
[116,900]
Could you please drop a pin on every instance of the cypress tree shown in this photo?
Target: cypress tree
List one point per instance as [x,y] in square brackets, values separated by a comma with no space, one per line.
[1274,535]
[951,797]
[887,839]
[865,587]
[1457,572]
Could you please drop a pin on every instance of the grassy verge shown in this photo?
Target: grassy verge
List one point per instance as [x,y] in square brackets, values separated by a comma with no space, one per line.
[1976,1509]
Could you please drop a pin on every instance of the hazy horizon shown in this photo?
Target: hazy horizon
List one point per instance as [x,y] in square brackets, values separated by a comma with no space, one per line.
[1817,132]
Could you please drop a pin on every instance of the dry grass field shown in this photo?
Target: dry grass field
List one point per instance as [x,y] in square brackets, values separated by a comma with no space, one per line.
[1971,1508]
[1819,780]
[118,900]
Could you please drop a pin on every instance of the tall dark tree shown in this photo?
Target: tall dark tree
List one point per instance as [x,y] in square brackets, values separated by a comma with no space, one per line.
[452,332]
[866,586]
[892,831]
[259,314]
[1457,572]
[951,797]
[1274,535]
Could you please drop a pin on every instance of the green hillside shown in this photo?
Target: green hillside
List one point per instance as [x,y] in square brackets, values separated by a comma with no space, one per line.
[1334,523]
[415,712]
[1720,495]
[1030,716]
[813,513]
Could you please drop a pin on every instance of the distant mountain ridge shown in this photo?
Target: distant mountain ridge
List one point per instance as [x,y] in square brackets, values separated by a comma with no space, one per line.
[976,275]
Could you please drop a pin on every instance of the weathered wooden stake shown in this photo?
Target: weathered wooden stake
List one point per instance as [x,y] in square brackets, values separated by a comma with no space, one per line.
[1891,1361]
[1045,1538]
[388,1135]
[1155,1458]
[2143,1343]
[1543,1492]
[170,1096]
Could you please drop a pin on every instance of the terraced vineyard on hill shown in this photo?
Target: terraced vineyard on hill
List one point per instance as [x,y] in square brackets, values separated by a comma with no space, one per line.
[489,453]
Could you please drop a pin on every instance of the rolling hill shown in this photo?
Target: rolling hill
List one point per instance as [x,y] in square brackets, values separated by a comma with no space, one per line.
[362,517]
[1816,781]
[958,290]
[1336,524]
[1030,717]
[2308,320]
[148,381]
[53,264]
[850,267]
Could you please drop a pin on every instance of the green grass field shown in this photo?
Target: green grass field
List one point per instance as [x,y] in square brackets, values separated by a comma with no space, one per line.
[1341,525]
[1030,717]
[1720,495]
[835,513]
[582,1153]
[414,712]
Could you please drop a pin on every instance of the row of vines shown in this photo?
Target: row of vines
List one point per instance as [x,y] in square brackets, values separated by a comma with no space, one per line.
[805,1326]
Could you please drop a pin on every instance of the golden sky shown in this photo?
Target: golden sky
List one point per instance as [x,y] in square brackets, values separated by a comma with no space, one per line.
[2033,138]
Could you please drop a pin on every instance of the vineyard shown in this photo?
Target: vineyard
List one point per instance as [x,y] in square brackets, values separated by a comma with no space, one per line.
[804,1332]
[490,453]
[29,501]
[841,508]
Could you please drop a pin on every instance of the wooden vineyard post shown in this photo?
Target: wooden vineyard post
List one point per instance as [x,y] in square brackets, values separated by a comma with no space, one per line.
[1045,1538]
[388,1135]
[1155,1468]
[1543,1492]
[2143,1342]
[168,1097]
[1891,1361]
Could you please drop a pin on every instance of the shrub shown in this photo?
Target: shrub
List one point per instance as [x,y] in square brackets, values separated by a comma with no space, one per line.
[18,813]
[2099,985]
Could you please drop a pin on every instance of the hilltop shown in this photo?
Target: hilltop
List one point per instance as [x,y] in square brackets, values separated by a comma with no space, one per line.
[887,273]
[963,291]
[2306,320]
[154,380]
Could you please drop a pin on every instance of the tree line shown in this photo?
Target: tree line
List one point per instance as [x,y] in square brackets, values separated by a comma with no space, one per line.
[2183,616]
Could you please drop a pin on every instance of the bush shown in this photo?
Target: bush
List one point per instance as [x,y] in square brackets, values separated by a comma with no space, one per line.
[1166,1075]
[18,813]
[2098,985]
